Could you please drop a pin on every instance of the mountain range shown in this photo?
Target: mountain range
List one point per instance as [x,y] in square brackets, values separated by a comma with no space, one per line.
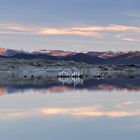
[94,57]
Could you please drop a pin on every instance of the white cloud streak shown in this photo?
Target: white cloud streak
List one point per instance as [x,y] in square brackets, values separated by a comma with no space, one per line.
[87,31]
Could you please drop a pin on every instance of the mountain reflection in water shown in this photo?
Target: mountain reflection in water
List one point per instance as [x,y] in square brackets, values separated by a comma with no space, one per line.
[68,84]
[86,108]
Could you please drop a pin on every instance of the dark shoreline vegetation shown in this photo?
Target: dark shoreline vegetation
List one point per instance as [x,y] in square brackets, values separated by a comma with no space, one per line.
[50,68]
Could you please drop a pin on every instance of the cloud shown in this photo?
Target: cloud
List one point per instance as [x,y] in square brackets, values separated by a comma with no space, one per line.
[14,27]
[135,15]
[65,31]
[44,31]
[117,28]
[76,31]
[128,38]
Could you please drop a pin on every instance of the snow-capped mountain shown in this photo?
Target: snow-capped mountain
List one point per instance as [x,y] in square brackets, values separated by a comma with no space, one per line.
[109,54]
[54,52]
[107,57]
[11,52]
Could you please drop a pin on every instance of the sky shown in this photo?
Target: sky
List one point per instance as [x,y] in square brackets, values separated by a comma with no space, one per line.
[72,25]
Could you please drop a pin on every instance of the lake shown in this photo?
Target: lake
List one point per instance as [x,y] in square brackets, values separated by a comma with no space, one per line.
[71,109]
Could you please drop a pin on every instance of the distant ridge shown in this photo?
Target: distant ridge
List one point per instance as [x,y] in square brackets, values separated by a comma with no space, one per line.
[106,57]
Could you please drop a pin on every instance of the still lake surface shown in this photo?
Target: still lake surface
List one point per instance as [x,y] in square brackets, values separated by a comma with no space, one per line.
[68,109]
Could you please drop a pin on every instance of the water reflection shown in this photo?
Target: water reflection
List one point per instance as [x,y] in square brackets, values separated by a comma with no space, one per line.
[68,84]
[90,111]
[78,104]
[93,109]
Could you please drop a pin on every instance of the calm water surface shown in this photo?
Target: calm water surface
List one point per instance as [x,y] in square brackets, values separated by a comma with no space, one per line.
[97,110]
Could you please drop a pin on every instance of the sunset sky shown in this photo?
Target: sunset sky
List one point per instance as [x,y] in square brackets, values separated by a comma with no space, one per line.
[75,25]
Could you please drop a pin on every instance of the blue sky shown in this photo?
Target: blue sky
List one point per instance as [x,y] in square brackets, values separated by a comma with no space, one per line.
[77,25]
